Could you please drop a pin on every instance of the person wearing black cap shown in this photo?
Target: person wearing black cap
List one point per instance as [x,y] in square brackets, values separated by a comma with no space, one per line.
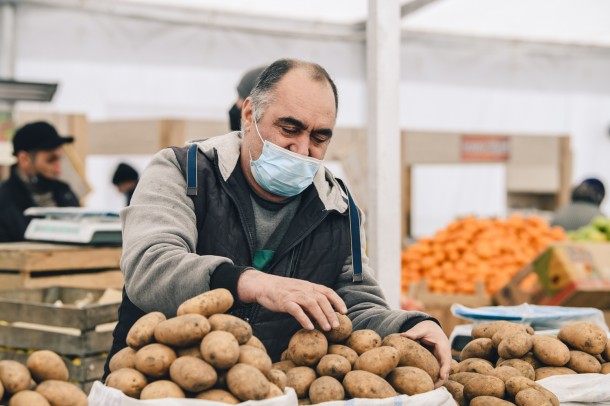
[245,86]
[125,178]
[584,207]
[34,178]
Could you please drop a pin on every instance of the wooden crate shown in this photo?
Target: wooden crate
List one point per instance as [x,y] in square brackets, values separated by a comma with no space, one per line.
[439,305]
[79,328]
[36,265]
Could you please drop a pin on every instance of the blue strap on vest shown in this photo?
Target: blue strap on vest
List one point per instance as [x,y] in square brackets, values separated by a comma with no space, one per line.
[354,229]
[191,171]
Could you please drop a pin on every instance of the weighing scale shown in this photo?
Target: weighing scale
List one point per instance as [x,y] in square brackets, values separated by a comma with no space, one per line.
[73,225]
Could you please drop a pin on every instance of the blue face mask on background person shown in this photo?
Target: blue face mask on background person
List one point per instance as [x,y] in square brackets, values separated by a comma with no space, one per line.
[282,172]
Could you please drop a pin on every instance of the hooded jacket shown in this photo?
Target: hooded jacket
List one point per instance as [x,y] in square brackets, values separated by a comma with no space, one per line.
[170,253]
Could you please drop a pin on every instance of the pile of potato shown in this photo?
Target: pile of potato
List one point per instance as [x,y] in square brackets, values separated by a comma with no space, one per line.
[41,382]
[503,361]
[342,364]
[201,353]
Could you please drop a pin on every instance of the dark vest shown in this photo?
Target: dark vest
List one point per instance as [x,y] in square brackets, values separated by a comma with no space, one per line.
[314,248]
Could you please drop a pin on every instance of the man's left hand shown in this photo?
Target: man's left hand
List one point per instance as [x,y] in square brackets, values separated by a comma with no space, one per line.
[430,334]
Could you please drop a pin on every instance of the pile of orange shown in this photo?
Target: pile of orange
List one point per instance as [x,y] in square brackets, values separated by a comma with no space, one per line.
[477,250]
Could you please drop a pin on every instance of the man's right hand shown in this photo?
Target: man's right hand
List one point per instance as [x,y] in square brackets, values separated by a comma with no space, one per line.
[295,296]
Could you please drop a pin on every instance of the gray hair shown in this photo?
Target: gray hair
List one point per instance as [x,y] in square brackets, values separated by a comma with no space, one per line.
[262,93]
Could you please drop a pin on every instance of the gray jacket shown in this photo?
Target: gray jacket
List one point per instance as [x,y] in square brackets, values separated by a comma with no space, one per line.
[160,240]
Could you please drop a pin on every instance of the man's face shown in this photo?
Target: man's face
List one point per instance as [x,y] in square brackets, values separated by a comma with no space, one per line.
[45,163]
[127,186]
[300,117]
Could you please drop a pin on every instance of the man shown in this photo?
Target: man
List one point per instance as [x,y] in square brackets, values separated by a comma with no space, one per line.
[34,178]
[243,90]
[264,220]
[125,179]
[584,207]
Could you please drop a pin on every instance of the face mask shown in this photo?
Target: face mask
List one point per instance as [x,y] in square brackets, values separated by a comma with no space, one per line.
[282,172]
[235,118]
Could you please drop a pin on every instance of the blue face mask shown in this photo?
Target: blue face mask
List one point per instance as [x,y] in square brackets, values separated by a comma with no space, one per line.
[283,172]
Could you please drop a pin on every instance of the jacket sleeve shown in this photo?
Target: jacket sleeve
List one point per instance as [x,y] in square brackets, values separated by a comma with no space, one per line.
[366,305]
[159,261]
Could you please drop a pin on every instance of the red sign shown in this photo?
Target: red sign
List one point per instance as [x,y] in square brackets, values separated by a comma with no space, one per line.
[484,148]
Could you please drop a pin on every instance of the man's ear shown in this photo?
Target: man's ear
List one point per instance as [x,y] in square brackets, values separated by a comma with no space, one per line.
[246,114]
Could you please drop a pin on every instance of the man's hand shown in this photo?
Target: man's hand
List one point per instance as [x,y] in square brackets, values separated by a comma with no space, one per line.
[430,334]
[295,296]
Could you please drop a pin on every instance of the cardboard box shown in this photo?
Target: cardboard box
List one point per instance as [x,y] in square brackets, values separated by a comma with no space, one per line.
[568,274]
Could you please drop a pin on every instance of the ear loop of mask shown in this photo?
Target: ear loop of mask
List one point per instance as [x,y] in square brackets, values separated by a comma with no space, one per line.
[257,132]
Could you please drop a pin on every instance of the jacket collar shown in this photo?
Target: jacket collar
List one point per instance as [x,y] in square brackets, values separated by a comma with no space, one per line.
[228,148]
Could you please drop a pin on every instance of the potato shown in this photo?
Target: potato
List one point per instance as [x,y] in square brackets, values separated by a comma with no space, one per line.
[489,401]
[307,347]
[550,351]
[234,325]
[456,390]
[480,366]
[410,380]
[285,355]
[505,373]
[193,351]
[517,384]
[143,331]
[583,363]
[523,367]
[341,333]
[463,377]
[218,395]
[14,376]
[334,365]
[584,336]
[545,372]
[412,354]
[479,348]
[192,374]
[487,330]
[2,388]
[326,389]
[28,398]
[506,331]
[61,393]
[45,365]
[283,366]
[379,361]
[344,351]
[515,345]
[255,342]
[363,384]
[531,359]
[154,360]
[161,389]
[531,397]
[182,331]
[125,358]
[484,385]
[247,383]
[220,349]
[255,357]
[208,303]
[454,367]
[605,368]
[127,380]
[274,391]
[363,340]
[277,377]
[300,378]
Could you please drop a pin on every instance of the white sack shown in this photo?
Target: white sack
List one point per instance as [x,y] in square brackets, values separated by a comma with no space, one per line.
[581,389]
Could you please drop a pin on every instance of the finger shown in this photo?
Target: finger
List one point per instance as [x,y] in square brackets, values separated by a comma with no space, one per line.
[442,352]
[312,307]
[297,312]
[328,310]
[334,299]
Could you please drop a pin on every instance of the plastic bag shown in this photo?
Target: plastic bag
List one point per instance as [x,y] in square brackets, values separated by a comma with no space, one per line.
[102,395]
[539,317]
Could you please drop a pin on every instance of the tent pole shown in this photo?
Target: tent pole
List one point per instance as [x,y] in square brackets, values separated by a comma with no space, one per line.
[383,78]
